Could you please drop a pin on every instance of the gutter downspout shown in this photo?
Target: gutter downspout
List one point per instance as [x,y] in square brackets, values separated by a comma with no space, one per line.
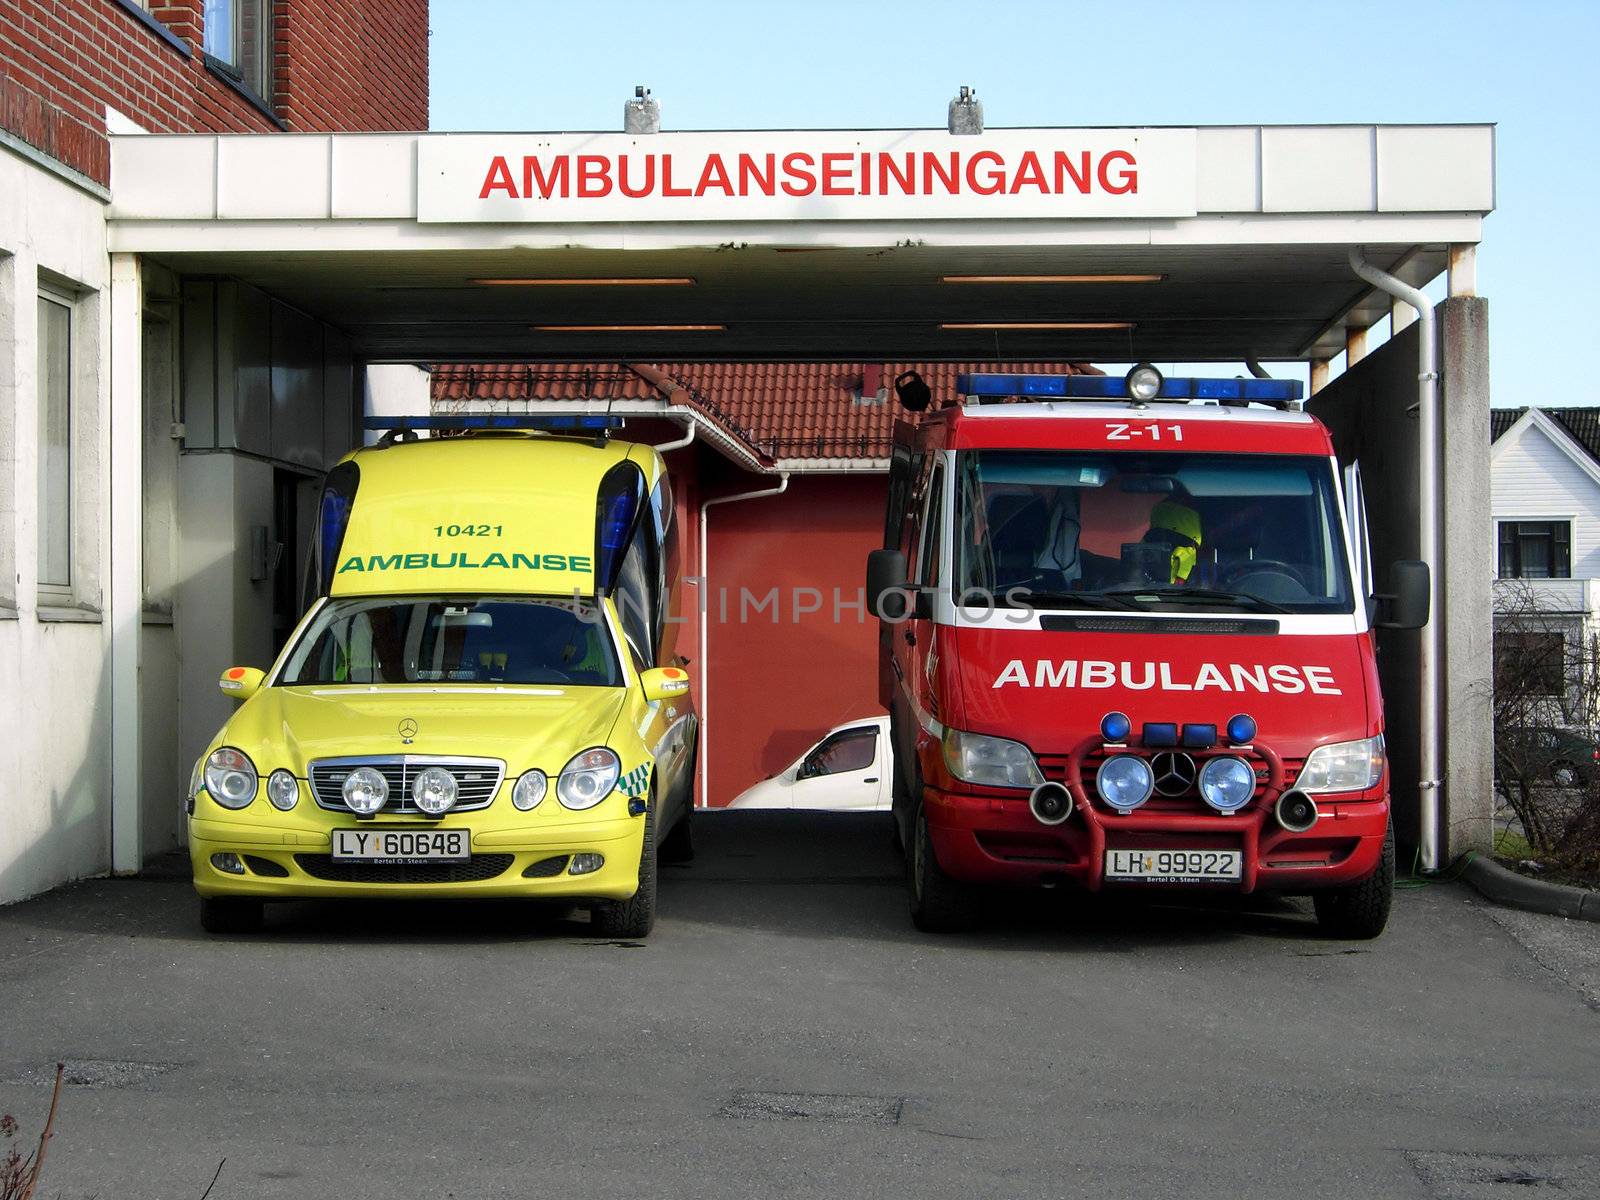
[1431,784]
[681,442]
[705,590]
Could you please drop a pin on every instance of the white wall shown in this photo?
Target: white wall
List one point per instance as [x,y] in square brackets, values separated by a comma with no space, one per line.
[396,390]
[1534,479]
[55,811]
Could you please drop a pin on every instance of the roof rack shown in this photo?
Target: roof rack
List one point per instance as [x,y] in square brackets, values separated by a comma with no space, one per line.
[1233,393]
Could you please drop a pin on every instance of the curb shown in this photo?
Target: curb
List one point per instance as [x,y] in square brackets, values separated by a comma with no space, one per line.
[1532,895]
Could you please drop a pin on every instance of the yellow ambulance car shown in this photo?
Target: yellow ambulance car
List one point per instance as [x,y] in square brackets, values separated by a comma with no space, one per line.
[484,697]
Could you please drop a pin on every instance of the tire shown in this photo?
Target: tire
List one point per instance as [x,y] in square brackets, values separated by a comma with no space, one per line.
[939,904]
[636,916]
[1359,911]
[230,915]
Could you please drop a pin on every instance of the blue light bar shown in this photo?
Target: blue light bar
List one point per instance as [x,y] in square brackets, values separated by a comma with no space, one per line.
[1113,387]
[550,421]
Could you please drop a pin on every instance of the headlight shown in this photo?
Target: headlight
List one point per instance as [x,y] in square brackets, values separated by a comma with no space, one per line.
[588,778]
[231,777]
[283,789]
[1343,767]
[990,761]
[529,790]
[1124,781]
[365,791]
[1227,783]
[434,791]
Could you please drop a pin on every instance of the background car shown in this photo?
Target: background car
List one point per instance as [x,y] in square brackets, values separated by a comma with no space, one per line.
[1550,754]
[847,770]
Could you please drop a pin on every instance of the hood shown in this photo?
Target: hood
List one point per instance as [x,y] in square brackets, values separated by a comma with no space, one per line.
[290,726]
[1049,689]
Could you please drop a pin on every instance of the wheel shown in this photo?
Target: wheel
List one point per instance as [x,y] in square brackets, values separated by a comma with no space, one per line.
[1564,774]
[636,916]
[230,914]
[1360,910]
[939,904]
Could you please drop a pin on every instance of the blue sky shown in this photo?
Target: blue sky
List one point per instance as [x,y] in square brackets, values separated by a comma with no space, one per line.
[1528,66]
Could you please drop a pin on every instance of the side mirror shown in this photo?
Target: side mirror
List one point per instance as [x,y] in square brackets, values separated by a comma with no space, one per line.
[1406,604]
[886,572]
[664,683]
[240,683]
[913,390]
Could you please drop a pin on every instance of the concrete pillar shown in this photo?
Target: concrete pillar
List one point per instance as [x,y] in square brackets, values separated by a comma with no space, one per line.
[125,574]
[1466,546]
[1355,347]
[1368,410]
[1319,374]
[1463,270]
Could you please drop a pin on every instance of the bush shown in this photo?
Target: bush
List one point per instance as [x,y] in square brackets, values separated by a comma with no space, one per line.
[1547,727]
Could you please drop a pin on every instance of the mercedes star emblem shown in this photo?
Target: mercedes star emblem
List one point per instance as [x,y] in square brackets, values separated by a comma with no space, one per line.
[1175,773]
[408,730]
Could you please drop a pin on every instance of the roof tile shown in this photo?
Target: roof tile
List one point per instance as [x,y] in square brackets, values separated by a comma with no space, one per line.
[783,410]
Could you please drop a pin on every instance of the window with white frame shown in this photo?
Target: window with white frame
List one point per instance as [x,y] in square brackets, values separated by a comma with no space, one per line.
[238,35]
[55,442]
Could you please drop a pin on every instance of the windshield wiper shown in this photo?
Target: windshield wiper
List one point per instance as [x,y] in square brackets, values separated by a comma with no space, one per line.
[1096,600]
[1202,595]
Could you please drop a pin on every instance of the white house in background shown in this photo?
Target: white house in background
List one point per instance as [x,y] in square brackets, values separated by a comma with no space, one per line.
[1545,490]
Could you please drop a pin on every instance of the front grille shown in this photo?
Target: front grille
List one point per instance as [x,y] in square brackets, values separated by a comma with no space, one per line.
[546,867]
[478,779]
[479,867]
[1054,767]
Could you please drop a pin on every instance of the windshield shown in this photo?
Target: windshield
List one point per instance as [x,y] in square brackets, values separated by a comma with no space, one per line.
[456,639]
[1146,530]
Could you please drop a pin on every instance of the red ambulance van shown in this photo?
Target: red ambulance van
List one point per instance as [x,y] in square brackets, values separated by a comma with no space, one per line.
[1126,641]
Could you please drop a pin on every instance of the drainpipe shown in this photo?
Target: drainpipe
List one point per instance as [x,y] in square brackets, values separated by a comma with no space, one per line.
[1431,783]
[681,442]
[705,590]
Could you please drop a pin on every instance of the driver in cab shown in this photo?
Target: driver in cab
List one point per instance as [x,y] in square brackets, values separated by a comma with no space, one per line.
[1166,554]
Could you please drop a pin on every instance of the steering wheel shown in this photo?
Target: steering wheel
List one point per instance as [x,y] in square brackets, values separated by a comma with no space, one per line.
[1264,566]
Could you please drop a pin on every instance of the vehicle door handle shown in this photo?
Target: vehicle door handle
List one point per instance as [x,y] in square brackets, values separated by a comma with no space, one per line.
[874,779]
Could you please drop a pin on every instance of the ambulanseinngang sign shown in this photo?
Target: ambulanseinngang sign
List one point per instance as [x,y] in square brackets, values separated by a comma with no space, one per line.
[870,175]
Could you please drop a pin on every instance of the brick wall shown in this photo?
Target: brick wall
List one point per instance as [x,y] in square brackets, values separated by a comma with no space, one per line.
[352,64]
[338,65]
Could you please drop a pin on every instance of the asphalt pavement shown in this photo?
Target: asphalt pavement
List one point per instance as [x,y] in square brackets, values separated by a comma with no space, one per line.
[785,1032]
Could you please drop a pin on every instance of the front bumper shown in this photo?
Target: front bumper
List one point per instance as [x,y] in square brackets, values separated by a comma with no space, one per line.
[995,839]
[299,845]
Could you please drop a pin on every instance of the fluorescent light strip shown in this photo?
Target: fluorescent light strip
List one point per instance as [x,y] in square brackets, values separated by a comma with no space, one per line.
[1052,278]
[629,328]
[662,281]
[1084,325]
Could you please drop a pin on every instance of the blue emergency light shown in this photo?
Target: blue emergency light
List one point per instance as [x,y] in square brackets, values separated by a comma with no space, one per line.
[550,422]
[1114,387]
